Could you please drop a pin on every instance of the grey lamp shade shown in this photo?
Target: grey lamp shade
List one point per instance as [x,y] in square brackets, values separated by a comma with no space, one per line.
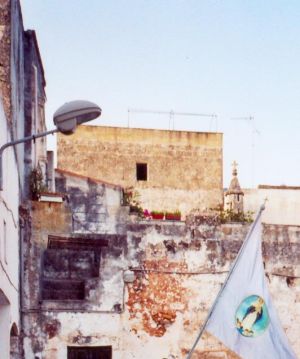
[74,113]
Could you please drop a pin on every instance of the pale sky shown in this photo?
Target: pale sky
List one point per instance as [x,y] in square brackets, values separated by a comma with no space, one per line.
[232,58]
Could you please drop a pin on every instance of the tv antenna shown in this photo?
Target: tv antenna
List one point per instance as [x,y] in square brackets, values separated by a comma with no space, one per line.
[254,131]
[172,114]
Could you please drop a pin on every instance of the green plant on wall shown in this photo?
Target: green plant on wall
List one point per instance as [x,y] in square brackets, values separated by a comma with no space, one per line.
[158,212]
[229,215]
[175,213]
[131,198]
[36,182]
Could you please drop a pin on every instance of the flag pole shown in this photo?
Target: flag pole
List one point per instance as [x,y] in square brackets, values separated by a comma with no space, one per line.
[262,207]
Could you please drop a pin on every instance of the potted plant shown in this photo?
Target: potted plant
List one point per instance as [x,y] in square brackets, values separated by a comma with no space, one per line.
[36,183]
[147,214]
[131,198]
[157,215]
[173,216]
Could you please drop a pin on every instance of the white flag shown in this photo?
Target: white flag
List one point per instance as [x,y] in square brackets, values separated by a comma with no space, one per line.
[243,317]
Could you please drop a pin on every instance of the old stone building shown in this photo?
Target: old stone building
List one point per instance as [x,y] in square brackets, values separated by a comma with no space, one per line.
[82,277]
[34,109]
[171,170]
[100,281]
[20,89]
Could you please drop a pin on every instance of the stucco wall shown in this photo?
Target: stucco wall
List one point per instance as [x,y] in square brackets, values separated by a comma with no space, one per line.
[177,162]
[18,54]
[35,98]
[9,240]
[12,123]
[17,80]
[95,205]
[282,206]
[177,271]
[5,64]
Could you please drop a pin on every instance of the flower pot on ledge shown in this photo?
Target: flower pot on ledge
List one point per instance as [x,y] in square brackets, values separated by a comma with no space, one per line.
[173,217]
[157,215]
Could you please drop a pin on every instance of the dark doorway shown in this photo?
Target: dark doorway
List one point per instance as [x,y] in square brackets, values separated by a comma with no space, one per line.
[89,352]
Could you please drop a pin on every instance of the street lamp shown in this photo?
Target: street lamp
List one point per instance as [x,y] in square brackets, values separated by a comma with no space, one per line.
[66,119]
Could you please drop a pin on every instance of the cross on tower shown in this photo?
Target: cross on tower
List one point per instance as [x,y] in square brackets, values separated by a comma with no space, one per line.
[234,168]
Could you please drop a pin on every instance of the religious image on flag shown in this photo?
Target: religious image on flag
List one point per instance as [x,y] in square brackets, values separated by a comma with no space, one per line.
[243,317]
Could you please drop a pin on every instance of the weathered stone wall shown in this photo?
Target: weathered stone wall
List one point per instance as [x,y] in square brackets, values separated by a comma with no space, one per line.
[11,127]
[9,240]
[17,80]
[22,95]
[12,72]
[186,202]
[5,46]
[12,123]
[61,220]
[177,269]
[178,163]
[95,205]
[89,208]
[34,109]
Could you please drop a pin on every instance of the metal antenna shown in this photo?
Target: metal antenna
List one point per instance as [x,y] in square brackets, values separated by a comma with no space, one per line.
[214,119]
[254,131]
[172,115]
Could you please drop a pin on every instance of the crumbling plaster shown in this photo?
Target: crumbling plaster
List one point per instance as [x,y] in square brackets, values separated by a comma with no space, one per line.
[178,269]
[11,127]
[5,59]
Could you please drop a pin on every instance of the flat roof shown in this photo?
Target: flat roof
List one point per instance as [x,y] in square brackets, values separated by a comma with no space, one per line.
[264,186]
[143,136]
[153,129]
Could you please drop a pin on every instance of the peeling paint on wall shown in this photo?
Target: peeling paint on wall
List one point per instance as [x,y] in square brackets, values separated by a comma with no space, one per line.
[155,284]
[155,298]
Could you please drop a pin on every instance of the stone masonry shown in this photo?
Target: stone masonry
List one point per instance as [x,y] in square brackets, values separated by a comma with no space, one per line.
[150,288]
[183,169]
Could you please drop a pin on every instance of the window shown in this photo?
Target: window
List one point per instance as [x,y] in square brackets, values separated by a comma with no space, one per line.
[141,171]
[14,341]
[90,352]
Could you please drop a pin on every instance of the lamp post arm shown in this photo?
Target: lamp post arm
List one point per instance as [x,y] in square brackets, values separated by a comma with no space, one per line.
[16,142]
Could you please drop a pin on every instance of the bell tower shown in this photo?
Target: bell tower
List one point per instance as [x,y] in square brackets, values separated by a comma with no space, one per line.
[234,196]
